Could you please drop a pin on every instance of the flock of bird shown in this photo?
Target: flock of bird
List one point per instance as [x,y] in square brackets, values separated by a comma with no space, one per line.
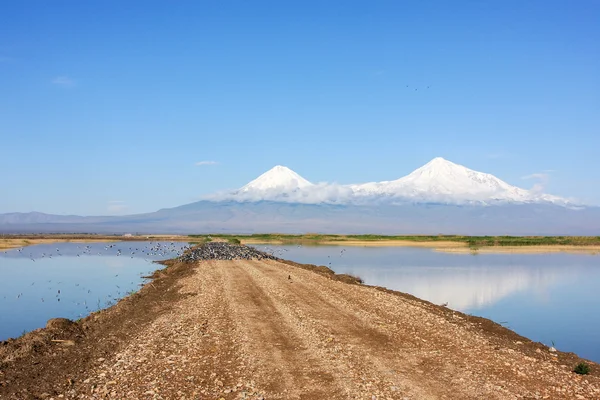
[158,249]
[225,251]
[81,294]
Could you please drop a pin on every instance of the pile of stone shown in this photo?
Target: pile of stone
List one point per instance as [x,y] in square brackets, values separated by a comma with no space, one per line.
[224,251]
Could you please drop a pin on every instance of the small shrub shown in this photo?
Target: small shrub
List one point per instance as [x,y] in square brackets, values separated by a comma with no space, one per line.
[348,278]
[234,241]
[582,369]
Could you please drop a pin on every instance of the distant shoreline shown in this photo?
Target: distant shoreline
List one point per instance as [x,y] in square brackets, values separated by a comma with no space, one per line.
[533,249]
[8,242]
[443,243]
[451,247]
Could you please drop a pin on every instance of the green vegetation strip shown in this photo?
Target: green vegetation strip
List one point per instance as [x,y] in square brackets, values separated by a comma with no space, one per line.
[471,241]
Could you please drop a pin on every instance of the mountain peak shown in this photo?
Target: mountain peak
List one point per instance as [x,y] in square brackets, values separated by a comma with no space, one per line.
[443,181]
[441,176]
[279,168]
[440,162]
[280,178]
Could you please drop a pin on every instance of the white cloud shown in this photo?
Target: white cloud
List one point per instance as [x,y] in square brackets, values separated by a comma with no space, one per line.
[116,206]
[200,163]
[541,177]
[314,194]
[63,81]
[537,175]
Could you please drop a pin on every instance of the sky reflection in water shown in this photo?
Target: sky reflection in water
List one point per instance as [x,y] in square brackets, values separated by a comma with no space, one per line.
[70,280]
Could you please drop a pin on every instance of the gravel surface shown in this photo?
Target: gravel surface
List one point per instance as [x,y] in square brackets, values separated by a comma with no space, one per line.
[264,329]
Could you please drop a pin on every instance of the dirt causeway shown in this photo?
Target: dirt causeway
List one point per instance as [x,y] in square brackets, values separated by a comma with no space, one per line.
[248,329]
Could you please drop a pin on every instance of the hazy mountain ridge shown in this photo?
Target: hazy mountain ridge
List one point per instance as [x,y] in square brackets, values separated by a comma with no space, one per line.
[268,216]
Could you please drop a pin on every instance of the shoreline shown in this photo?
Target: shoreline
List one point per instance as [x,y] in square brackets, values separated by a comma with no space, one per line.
[539,249]
[8,242]
[215,314]
[444,246]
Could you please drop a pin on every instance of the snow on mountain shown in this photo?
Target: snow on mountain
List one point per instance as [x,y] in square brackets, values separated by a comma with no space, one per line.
[282,184]
[442,177]
[438,181]
[279,178]
[443,180]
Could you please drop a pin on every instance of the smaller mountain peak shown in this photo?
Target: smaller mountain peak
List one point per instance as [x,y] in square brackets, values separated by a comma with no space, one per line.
[440,161]
[439,164]
[279,177]
[279,168]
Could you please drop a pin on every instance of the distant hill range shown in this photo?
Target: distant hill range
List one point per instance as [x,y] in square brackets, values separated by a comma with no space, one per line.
[440,197]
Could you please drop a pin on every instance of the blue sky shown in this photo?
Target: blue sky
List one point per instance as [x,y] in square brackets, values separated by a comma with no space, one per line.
[107,106]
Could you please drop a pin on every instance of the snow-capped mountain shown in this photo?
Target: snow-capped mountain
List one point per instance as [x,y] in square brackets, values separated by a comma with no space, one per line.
[441,180]
[282,184]
[278,178]
[402,206]
[438,181]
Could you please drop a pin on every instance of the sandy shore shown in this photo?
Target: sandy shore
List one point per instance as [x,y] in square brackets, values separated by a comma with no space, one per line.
[394,243]
[16,242]
[592,250]
[273,330]
[361,243]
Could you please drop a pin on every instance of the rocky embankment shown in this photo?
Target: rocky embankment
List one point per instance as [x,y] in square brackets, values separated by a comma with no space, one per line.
[224,322]
[224,251]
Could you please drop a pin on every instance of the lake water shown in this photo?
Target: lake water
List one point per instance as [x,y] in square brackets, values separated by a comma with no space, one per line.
[549,298]
[71,280]
[545,297]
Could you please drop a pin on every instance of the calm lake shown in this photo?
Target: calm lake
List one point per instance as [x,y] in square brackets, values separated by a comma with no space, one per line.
[550,298]
[71,280]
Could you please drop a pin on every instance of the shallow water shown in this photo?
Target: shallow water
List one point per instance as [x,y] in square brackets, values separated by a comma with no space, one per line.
[71,280]
[549,298]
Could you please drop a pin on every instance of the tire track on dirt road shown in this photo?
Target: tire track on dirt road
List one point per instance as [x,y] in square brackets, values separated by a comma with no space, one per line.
[285,363]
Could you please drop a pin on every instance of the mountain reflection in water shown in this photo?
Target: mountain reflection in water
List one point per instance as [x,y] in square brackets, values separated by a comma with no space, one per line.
[545,297]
